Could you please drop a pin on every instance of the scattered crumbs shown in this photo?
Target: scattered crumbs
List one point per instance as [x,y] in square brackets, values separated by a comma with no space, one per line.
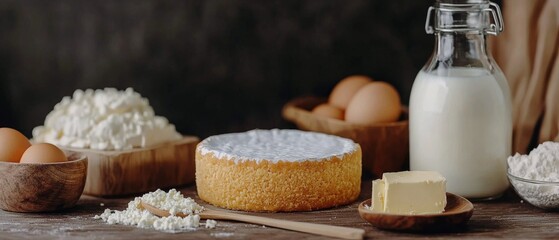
[211,223]
[101,204]
[222,234]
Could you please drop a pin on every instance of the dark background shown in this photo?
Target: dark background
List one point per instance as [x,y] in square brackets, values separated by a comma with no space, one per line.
[210,66]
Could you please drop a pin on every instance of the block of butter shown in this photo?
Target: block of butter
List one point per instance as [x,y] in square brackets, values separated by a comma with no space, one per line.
[409,193]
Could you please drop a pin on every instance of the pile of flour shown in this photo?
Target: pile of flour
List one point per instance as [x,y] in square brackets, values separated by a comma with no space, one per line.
[172,201]
[542,164]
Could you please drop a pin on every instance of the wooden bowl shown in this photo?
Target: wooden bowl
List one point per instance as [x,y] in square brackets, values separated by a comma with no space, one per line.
[139,170]
[457,212]
[385,146]
[28,187]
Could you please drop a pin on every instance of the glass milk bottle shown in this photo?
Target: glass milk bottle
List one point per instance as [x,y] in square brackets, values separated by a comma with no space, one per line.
[460,106]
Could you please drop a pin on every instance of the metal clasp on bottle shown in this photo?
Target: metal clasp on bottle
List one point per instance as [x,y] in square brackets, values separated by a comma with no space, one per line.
[496,26]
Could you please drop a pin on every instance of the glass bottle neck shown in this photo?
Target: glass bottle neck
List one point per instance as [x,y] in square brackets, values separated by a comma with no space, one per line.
[459,49]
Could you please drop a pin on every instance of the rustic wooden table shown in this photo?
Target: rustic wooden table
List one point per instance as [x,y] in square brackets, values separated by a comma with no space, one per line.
[504,218]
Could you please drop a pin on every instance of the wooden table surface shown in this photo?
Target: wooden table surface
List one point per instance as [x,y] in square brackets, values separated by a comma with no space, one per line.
[507,217]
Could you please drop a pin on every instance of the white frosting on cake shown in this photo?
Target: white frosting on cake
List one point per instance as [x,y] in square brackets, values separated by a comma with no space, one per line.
[276,145]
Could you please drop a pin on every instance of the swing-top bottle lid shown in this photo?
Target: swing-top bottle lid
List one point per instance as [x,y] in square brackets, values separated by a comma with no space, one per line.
[462,1]
[481,16]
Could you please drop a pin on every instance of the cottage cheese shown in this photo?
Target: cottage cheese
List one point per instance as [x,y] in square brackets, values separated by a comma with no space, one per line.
[105,119]
[172,201]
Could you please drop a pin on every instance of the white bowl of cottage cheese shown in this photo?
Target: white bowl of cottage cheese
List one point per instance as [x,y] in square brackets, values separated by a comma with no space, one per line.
[535,176]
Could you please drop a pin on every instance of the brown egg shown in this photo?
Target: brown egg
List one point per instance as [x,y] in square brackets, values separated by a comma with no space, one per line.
[43,153]
[330,111]
[376,102]
[344,91]
[12,145]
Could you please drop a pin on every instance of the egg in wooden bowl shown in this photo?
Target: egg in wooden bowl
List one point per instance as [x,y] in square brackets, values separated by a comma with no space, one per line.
[374,118]
[42,187]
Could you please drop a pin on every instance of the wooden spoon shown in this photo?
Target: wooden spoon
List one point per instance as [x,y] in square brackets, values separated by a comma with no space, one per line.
[319,229]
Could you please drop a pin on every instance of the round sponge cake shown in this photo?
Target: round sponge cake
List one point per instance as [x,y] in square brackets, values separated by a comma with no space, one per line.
[278,170]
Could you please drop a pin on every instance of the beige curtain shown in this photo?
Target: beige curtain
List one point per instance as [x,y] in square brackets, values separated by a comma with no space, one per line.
[527,53]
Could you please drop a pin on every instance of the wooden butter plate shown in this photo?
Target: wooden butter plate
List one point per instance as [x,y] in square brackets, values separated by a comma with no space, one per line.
[457,212]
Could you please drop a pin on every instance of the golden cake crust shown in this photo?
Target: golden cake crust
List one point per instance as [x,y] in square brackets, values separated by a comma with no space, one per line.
[283,186]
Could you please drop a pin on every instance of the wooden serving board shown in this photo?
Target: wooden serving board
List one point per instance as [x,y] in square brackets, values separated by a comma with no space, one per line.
[115,173]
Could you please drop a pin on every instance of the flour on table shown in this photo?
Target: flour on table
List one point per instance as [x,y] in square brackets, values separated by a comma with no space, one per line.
[172,201]
[222,234]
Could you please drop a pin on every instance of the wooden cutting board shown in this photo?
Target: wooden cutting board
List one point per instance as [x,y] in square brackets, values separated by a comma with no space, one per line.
[115,173]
